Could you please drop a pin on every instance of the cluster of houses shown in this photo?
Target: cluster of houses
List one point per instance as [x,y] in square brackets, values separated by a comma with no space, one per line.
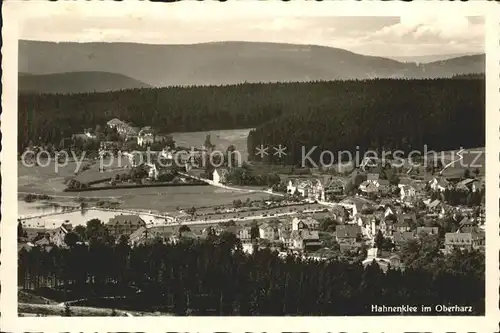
[373,184]
[300,234]
[316,189]
[400,211]
[408,189]
[143,136]
[357,222]
[45,236]
[399,222]
[442,184]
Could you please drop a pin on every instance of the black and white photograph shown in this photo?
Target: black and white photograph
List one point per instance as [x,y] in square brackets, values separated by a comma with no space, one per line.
[251,165]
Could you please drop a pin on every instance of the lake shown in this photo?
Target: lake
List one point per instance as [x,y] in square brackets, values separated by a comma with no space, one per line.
[79,217]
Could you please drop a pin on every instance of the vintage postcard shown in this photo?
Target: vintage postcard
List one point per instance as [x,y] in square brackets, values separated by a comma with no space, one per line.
[332,163]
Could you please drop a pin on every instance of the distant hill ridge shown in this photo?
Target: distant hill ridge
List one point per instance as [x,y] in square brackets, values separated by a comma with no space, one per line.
[77,82]
[432,57]
[223,63]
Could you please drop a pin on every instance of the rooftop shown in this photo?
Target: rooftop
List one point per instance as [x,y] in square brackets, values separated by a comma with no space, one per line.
[348,231]
[126,219]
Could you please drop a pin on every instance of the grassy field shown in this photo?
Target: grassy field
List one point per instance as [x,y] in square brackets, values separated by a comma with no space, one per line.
[46,181]
[29,298]
[168,198]
[26,309]
[221,139]
[30,304]
[50,179]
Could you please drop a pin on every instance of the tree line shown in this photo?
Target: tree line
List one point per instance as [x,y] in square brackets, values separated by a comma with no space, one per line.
[379,115]
[442,113]
[214,276]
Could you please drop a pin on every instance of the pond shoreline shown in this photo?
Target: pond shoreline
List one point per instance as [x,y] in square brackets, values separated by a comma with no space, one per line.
[130,186]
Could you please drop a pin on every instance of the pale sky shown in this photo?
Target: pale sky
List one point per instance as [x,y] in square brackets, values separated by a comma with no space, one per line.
[382,36]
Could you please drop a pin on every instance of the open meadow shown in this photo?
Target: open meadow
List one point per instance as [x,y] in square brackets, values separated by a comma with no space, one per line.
[221,139]
[45,180]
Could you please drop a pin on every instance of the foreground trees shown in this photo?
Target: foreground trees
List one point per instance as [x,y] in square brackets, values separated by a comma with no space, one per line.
[215,277]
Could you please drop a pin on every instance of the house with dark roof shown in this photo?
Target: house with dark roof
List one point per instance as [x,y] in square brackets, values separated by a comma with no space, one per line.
[268,231]
[383,185]
[333,186]
[401,237]
[348,233]
[406,181]
[32,233]
[427,230]
[347,236]
[368,187]
[465,185]
[124,225]
[385,226]
[44,241]
[405,222]
[58,236]
[439,184]
[305,240]
[138,237]
[308,222]
[148,234]
[467,225]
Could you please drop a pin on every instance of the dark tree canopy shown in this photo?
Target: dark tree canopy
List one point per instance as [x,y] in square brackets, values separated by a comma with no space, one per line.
[395,114]
[174,276]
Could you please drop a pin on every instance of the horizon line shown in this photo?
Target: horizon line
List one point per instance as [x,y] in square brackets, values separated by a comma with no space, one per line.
[393,57]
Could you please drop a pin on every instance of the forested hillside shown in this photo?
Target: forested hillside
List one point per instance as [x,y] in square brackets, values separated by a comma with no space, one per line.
[442,113]
[77,82]
[228,62]
[381,114]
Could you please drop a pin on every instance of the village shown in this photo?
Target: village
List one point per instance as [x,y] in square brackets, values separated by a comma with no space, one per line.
[366,213]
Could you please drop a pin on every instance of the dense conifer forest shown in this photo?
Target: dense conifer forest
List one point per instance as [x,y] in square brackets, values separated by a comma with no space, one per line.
[384,115]
[214,276]
[338,115]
